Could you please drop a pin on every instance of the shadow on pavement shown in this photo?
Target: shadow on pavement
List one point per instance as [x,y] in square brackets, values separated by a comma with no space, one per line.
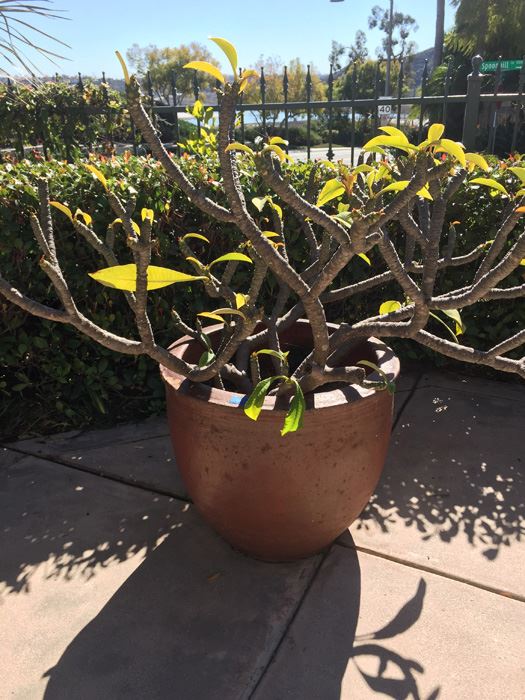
[455,467]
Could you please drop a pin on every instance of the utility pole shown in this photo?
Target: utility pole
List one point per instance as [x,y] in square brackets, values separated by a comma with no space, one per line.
[389,48]
[440,33]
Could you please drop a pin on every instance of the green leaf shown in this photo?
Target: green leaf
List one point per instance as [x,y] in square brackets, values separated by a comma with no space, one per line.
[270,234]
[489,182]
[255,401]
[389,386]
[62,207]
[206,358]
[435,132]
[388,306]
[238,257]
[294,417]
[365,258]
[282,356]
[363,168]
[206,67]
[236,146]
[199,236]
[276,208]
[125,277]
[229,50]
[332,189]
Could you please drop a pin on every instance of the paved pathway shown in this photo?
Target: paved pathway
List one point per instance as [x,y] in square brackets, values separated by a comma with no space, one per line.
[111,586]
[343,153]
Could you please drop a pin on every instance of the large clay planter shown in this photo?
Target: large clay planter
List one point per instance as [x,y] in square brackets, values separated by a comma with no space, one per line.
[280,498]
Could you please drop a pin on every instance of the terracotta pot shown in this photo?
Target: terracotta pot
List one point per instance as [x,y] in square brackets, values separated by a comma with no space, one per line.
[280,498]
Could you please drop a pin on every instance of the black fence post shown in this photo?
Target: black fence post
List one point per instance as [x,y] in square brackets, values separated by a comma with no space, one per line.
[470,120]
[286,113]
[330,152]
[518,107]
[262,87]
[308,86]
[175,100]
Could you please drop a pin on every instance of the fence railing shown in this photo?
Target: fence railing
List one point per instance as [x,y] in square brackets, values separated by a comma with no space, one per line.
[482,117]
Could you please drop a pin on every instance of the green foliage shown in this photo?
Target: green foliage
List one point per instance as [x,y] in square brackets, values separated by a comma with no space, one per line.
[66,119]
[489,27]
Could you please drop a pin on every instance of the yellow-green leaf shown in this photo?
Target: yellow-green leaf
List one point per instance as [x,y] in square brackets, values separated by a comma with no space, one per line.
[453,149]
[96,172]
[277,139]
[389,142]
[456,316]
[123,66]
[236,257]
[217,315]
[229,50]
[254,403]
[276,208]
[435,132]
[489,182]
[478,160]
[282,155]
[199,236]
[294,417]
[249,73]
[395,187]
[196,262]
[423,192]
[236,146]
[206,67]
[259,202]
[332,189]
[147,214]
[365,258]
[88,220]
[125,277]
[396,133]
[519,172]
[62,207]
[388,306]
[241,299]
[363,168]
[270,234]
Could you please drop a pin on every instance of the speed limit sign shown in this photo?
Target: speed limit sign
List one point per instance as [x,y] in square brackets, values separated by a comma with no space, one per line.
[384,110]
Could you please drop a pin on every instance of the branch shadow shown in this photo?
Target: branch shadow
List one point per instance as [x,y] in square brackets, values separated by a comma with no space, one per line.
[454,470]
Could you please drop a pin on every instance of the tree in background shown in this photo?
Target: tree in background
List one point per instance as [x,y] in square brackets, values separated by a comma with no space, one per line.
[402,27]
[167,62]
[357,51]
[273,75]
[489,27]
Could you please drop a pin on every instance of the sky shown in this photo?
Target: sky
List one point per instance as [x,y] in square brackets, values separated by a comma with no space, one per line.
[274,28]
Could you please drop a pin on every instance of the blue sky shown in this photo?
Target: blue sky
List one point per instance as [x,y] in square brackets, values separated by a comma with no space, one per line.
[278,28]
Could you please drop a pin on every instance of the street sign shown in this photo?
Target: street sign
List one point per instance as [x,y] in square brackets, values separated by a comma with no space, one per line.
[492,66]
[384,110]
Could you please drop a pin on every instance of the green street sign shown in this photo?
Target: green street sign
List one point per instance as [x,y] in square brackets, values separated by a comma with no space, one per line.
[492,66]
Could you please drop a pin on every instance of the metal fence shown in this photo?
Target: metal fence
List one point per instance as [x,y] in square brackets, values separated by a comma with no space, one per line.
[483,114]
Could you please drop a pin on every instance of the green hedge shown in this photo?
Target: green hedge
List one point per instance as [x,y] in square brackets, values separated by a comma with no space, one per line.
[51,378]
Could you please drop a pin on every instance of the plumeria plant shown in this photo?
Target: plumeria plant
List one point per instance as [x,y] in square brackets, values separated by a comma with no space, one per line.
[395,203]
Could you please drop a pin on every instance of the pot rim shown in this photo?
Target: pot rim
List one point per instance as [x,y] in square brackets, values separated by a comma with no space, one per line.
[386,360]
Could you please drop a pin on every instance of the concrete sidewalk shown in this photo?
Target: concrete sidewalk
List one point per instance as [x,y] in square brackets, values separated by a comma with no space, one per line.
[112,587]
